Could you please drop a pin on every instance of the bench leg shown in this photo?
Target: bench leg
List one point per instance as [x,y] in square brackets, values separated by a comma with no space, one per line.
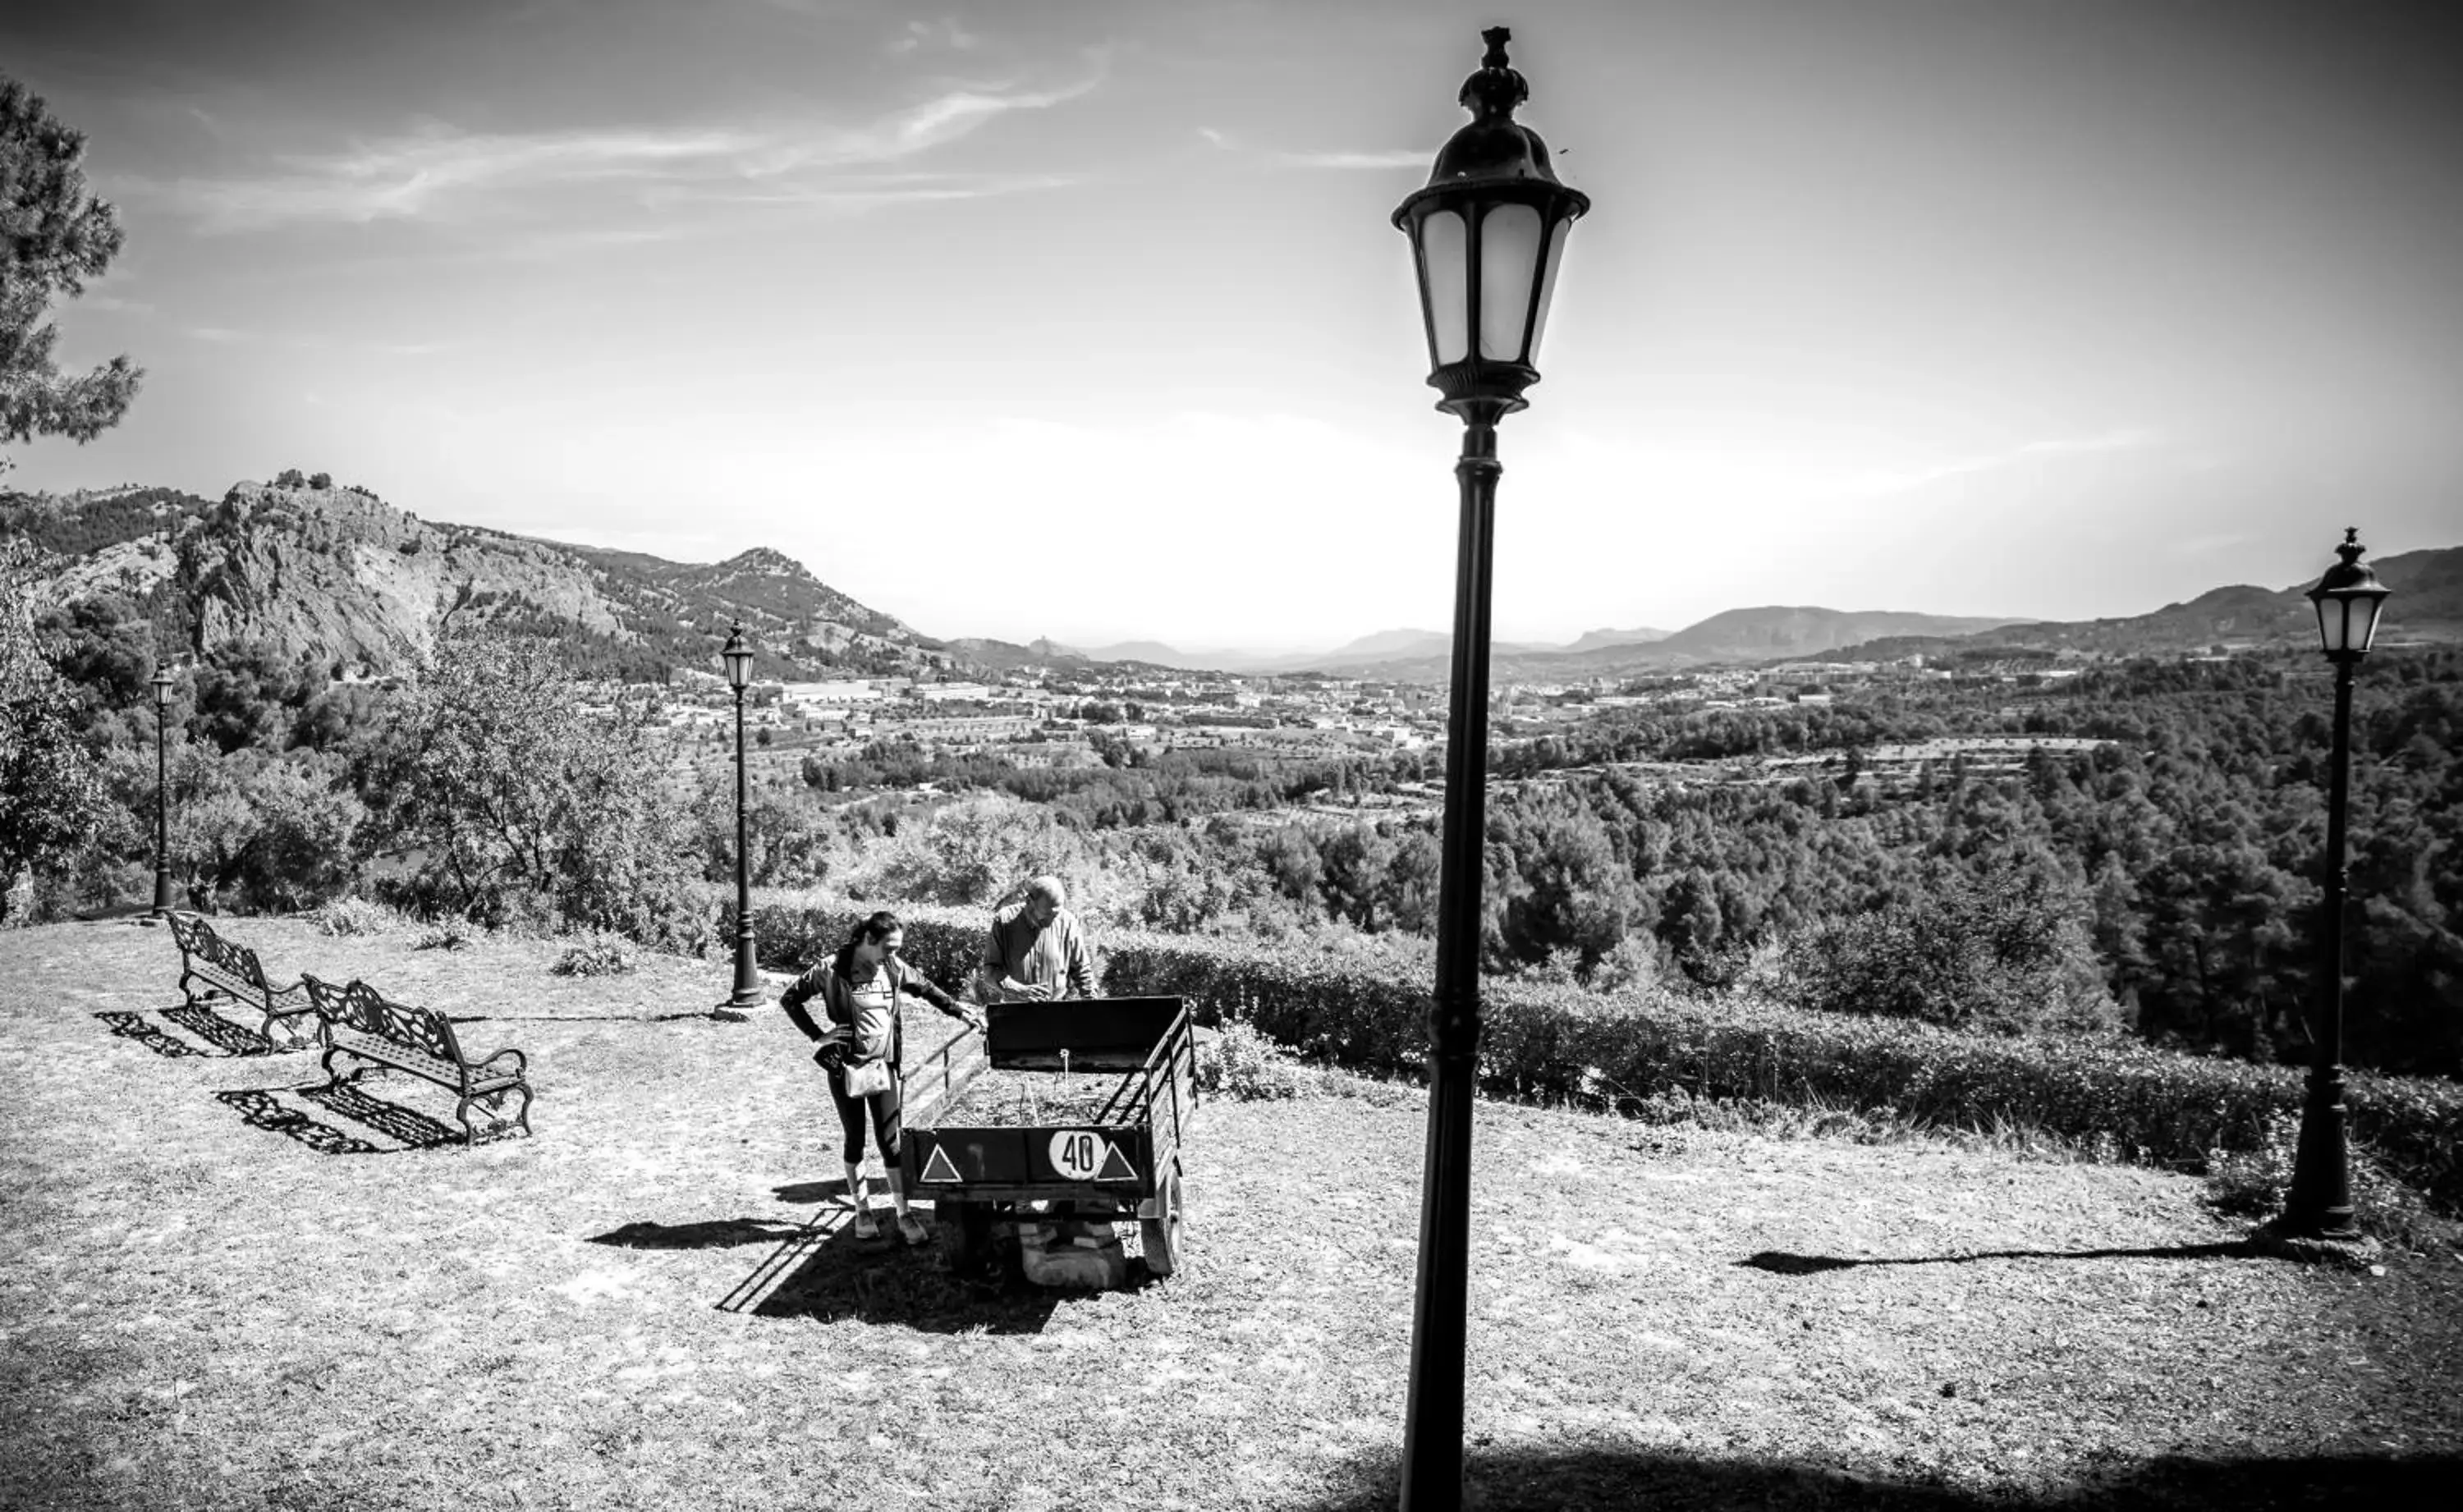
[333,1077]
[495,1110]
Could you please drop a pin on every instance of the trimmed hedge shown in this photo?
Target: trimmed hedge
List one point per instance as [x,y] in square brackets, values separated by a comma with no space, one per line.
[1366,1010]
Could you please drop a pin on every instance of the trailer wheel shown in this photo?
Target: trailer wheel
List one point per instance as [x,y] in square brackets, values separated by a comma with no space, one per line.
[1160,1235]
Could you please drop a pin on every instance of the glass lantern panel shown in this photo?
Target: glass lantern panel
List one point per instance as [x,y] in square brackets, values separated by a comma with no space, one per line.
[1444,274]
[2363,619]
[2330,624]
[1547,287]
[1509,262]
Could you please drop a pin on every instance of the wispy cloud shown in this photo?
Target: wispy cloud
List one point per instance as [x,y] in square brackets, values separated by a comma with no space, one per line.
[943,34]
[438,172]
[1219,138]
[1900,479]
[1401,157]
[859,191]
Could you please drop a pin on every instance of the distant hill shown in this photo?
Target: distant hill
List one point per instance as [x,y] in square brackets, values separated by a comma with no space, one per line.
[1601,639]
[2426,604]
[1153,653]
[337,576]
[1779,632]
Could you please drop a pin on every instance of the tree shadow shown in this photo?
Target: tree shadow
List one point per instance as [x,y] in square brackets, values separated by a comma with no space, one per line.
[260,1108]
[1780,1262]
[717,1233]
[824,1273]
[1616,1478]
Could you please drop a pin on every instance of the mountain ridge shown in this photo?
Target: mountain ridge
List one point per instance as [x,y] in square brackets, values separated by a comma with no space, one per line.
[338,575]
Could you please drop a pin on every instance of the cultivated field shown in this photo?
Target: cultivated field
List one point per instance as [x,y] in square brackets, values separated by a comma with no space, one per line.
[224,1286]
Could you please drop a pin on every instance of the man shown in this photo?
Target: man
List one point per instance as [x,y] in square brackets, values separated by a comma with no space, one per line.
[1037,951]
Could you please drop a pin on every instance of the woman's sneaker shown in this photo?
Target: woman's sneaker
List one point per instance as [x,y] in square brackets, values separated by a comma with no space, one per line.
[866,1226]
[911,1229]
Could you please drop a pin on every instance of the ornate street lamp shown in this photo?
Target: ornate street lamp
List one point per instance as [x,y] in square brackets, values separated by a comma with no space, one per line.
[2347,601]
[738,656]
[160,682]
[1487,234]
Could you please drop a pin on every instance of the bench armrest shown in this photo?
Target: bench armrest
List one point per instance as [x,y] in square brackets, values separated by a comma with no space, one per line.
[520,1064]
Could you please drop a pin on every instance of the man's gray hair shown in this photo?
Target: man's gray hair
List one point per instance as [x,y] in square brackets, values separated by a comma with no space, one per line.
[1049,887]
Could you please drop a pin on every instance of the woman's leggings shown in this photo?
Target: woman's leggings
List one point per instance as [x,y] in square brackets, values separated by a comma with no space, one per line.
[885,1119]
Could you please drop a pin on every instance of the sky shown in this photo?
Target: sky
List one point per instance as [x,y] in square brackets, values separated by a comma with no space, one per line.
[1085,318]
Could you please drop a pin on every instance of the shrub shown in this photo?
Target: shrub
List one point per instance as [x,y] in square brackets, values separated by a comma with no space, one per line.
[1236,1061]
[600,956]
[352,916]
[446,933]
[1363,1005]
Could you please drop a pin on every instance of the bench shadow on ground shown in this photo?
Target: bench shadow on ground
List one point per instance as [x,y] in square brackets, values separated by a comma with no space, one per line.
[1780,1262]
[1515,1481]
[403,1127]
[229,1040]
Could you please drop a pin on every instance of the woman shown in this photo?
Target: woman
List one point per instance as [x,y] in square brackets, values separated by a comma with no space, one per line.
[859,988]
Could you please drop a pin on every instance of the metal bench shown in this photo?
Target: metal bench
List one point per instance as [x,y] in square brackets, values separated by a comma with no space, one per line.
[362,1023]
[227,970]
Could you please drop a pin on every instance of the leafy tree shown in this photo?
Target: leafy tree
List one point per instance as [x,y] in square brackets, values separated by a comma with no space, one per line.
[2006,953]
[52,797]
[263,832]
[527,806]
[54,236]
[245,693]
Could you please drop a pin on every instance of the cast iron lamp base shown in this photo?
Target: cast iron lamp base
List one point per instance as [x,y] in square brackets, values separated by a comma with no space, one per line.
[2273,1237]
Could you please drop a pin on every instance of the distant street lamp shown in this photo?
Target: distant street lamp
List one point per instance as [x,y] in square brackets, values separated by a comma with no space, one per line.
[160,682]
[2347,601]
[1487,231]
[738,657]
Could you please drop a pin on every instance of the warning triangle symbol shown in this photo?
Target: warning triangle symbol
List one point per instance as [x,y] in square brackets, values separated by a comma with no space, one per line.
[1116,1166]
[937,1167]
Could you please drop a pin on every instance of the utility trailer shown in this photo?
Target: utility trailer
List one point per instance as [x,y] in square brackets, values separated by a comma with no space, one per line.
[1081,1101]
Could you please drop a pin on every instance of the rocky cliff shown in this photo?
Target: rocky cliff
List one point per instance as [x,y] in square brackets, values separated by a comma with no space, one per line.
[338,579]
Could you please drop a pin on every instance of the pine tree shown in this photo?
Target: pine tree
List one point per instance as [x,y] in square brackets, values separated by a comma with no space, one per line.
[54,236]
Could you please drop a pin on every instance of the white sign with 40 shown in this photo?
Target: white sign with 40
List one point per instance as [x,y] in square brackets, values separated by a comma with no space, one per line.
[1080,1153]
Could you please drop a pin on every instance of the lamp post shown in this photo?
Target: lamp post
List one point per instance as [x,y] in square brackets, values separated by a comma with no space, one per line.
[2347,601]
[738,656]
[1487,231]
[160,682]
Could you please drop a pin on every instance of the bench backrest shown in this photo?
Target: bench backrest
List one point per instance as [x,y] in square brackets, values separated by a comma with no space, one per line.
[364,1008]
[199,942]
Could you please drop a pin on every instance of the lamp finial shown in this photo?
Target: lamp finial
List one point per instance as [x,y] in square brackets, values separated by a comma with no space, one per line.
[1493,93]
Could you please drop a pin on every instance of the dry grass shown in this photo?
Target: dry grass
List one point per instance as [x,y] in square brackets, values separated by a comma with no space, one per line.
[226,1288]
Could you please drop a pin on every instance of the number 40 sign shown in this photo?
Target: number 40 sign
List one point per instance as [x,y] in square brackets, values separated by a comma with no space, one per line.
[1081,1154]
